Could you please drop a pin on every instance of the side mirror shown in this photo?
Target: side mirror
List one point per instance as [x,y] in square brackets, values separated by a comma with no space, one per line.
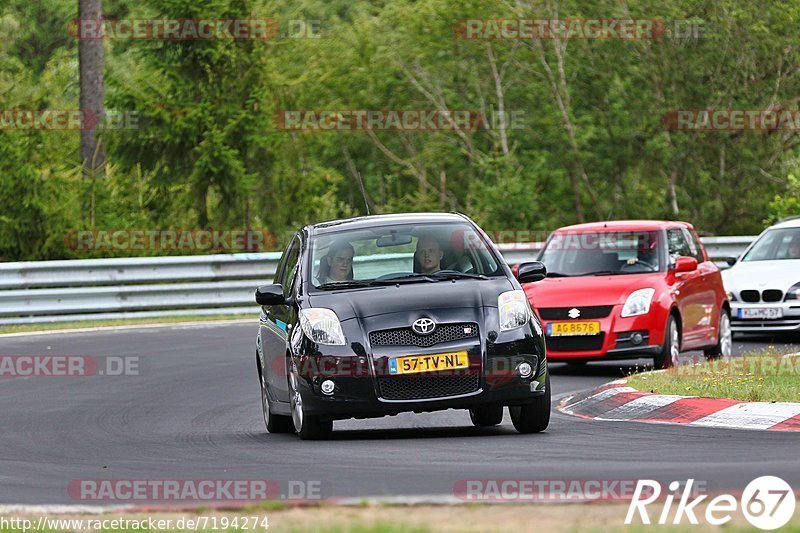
[530,272]
[731,261]
[685,264]
[270,295]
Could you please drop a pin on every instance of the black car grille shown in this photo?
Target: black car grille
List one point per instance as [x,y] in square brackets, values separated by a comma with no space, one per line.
[562,313]
[772,295]
[769,295]
[749,296]
[575,344]
[407,337]
[422,387]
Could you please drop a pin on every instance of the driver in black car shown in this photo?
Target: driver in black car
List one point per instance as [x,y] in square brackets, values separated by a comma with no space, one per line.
[429,255]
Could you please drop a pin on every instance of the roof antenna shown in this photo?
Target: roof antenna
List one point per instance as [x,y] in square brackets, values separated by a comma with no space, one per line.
[354,171]
[363,192]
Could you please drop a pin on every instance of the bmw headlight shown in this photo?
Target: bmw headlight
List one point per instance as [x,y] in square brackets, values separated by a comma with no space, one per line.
[322,326]
[515,311]
[638,303]
[793,293]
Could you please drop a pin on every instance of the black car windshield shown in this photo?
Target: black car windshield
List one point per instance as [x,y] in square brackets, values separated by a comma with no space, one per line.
[403,253]
[776,244]
[569,253]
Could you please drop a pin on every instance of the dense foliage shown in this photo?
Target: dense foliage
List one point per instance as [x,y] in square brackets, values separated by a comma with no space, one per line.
[587,140]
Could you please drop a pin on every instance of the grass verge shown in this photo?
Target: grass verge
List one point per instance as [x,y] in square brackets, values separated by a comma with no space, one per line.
[752,378]
[78,324]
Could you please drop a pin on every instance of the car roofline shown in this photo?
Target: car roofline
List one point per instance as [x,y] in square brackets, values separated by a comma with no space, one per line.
[389,219]
[621,225]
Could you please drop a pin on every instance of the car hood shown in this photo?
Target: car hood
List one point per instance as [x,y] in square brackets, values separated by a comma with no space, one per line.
[587,290]
[762,275]
[411,297]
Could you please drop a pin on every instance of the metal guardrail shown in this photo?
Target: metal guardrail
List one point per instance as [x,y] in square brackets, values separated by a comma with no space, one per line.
[132,270]
[86,289]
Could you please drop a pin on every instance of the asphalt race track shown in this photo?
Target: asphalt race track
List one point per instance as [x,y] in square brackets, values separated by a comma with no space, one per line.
[194,412]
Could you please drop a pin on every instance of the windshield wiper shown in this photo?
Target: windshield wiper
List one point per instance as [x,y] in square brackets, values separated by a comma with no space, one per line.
[348,284]
[456,275]
[604,273]
[408,278]
[558,275]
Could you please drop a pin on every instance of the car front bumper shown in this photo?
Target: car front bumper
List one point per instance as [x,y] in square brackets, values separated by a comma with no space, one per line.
[359,393]
[615,340]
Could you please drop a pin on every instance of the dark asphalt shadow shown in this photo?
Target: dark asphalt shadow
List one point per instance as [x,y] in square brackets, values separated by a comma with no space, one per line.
[605,369]
[446,432]
[781,341]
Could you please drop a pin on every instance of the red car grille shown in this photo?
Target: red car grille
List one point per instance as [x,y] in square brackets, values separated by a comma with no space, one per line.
[575,344]
[562,313]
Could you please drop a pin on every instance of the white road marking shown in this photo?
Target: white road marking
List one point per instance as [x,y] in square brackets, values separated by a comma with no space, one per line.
[640,407]
[756,415]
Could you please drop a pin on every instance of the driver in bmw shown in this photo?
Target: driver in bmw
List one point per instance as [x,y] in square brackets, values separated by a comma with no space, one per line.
[429,255]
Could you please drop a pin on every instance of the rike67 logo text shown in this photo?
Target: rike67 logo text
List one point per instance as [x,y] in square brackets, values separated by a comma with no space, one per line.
[768,502]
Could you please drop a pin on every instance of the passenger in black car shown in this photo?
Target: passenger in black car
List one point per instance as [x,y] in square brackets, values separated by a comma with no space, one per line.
[337,264]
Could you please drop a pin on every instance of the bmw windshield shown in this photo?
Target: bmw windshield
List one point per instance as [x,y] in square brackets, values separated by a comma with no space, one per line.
[602,253]
[404,253]
[776,244]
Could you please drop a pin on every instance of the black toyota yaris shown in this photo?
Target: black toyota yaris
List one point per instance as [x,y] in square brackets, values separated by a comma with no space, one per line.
[379,315]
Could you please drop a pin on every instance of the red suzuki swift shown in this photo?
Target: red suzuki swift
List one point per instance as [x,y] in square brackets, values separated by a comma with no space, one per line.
[628,289]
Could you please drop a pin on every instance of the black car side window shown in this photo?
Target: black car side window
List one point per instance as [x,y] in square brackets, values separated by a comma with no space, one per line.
[287,275]
[281,264]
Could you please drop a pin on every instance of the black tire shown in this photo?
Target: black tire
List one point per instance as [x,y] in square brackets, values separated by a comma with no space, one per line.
[487,415]
[274,423]
[724,346]
[306,426]
[672,345]
[532,417]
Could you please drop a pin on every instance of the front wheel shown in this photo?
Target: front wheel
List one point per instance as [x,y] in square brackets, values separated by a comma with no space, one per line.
[532,417]
[670,352]
[724,346]
[488,415]
[306,426]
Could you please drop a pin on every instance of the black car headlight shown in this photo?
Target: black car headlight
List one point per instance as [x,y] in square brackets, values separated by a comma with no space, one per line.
[514,308]
[793,293]
[322,326]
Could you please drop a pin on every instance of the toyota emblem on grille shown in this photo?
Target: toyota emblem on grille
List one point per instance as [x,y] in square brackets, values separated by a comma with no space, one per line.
[423,326]
[574,313]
